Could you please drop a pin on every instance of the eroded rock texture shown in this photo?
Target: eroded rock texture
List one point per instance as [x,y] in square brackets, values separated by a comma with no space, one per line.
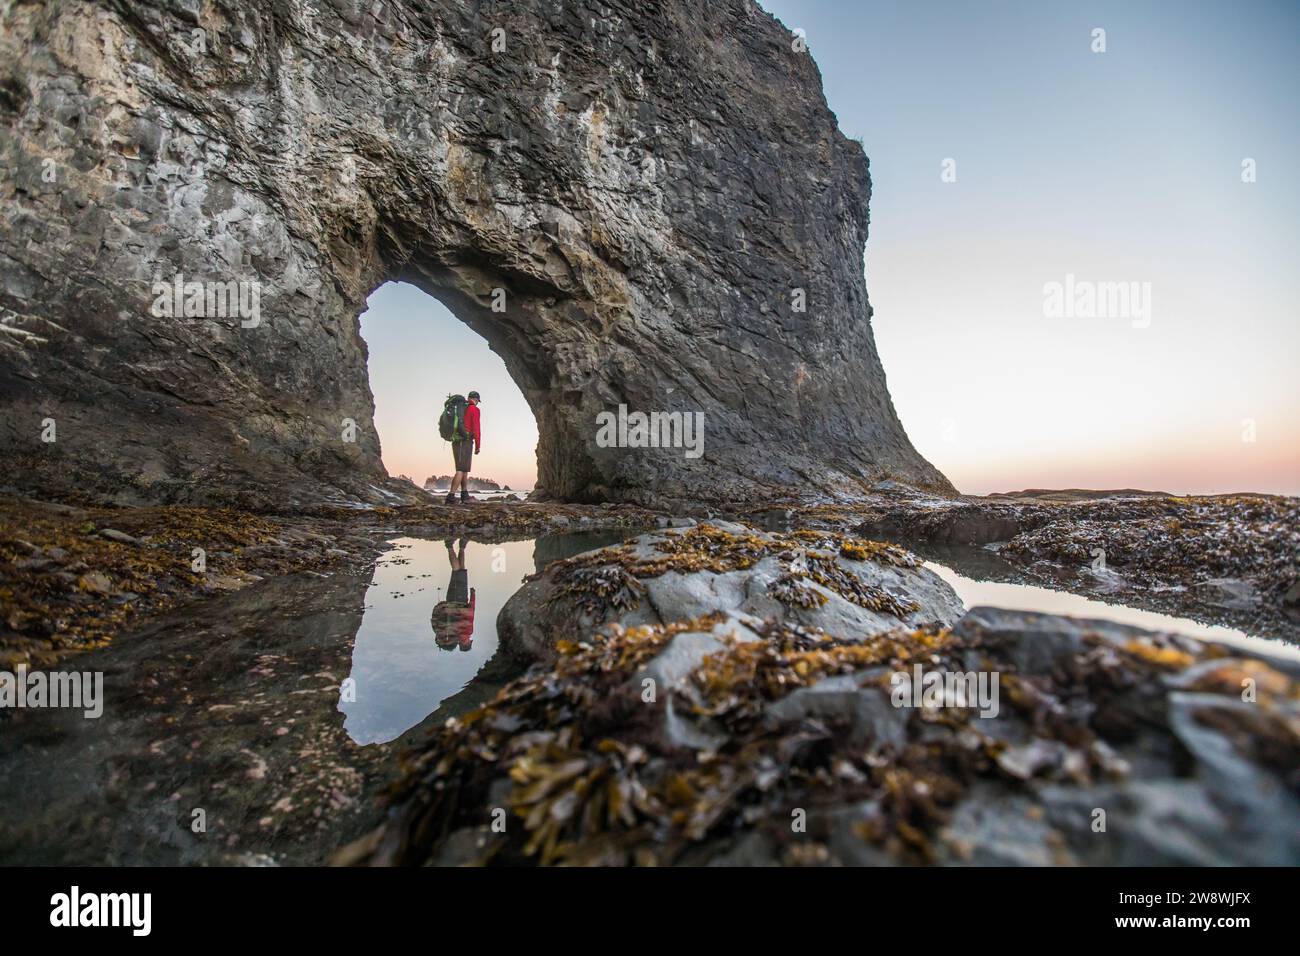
[649,183]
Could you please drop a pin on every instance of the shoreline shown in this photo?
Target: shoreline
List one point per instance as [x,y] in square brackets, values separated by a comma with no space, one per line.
[74,576]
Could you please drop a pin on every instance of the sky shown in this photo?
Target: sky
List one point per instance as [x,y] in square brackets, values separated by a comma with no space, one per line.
[1007,156]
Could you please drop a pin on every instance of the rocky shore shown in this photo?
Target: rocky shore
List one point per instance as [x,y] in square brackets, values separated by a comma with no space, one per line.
[751,734]
[443,482]
[72,576]
[1223,559]
[74,573]
[716,689]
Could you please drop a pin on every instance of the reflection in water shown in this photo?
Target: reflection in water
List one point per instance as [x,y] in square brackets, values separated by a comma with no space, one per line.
[416,644]
[453,619]
[229,705]
[428,641]
[1026,597]
[232,705]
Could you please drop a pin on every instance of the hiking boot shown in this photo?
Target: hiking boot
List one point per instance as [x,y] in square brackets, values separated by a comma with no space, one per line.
[451,498]
[464,496]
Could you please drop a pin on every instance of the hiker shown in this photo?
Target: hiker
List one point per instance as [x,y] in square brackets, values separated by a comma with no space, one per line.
[459,424]
[453,619]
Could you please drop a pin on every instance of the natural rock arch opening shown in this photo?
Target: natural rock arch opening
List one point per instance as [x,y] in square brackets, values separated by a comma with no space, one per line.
[418,352]
[677,225]
[516,319]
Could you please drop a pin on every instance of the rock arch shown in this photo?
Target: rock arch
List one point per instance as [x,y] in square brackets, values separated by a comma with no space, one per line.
[654,187]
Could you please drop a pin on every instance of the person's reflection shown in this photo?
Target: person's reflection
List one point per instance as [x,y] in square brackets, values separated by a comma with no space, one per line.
[453,619]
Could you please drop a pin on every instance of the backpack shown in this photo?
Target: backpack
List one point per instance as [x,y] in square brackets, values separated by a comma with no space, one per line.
[451,423]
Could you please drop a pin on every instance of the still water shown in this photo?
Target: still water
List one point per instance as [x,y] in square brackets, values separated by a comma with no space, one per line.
[1027,597]
[428,639]
[427,644]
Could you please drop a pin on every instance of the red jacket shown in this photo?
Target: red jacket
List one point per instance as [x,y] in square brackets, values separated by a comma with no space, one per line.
[471,422]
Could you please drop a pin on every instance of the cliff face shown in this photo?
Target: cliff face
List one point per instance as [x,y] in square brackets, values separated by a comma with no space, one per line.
[638,204]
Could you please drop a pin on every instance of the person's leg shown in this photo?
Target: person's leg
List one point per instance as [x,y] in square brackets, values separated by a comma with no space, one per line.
[461,451]
[455,475]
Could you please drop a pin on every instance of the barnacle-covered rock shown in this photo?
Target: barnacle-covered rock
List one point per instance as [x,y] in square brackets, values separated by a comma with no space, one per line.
[1103,744]
[837,582]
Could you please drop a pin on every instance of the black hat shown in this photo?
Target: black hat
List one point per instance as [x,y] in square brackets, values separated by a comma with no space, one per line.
[475,396]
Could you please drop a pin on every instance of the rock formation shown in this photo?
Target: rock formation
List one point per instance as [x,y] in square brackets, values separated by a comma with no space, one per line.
[671,736]
[637,204]
[720,566]
[443,482]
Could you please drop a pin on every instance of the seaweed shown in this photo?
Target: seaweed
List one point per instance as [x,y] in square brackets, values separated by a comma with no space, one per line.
[589,775]
[599,581]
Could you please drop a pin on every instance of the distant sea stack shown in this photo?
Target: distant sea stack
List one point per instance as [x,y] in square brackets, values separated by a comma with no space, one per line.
[658,191]
[443,482]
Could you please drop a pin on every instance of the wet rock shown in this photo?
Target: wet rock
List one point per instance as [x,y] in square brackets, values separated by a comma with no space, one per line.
[665,521]
[679,659]
[96,583]
[1228,559]
[1227,592]
[68,586]
[677,227]
[1112,746]
[231,706]
[857,699]
[1037,643]
[120,537]
[732,568]
[993,828]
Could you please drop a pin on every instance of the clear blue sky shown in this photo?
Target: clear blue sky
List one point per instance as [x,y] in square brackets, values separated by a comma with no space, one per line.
[1115,166]
[1123,165]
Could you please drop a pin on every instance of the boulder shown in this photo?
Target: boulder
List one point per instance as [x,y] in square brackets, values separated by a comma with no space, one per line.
[718,566]
[1107,745]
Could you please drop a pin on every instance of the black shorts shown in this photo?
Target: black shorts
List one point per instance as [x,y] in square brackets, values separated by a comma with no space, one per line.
[458,588]
[463,453]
